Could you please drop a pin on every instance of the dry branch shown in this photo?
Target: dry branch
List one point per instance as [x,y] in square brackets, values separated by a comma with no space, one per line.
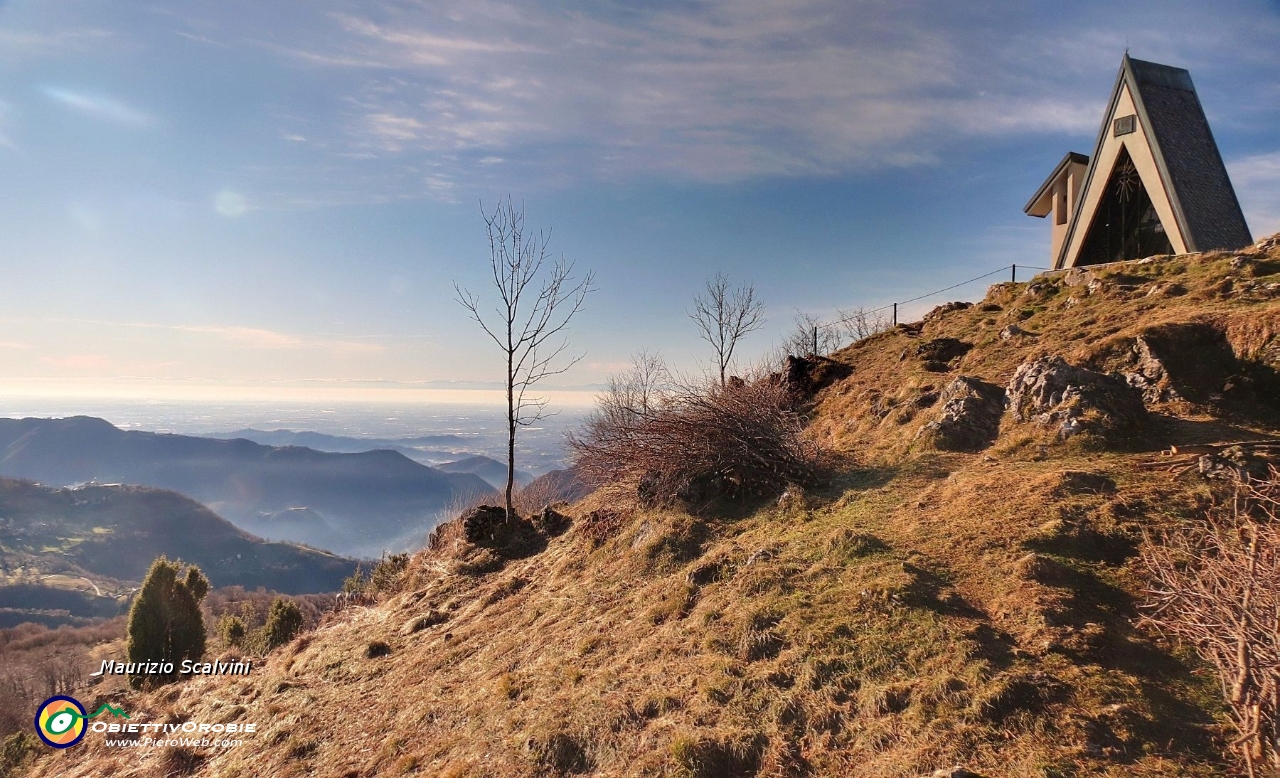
[1216,585]
[668,438]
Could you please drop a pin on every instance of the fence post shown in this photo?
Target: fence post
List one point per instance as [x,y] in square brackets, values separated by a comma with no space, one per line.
[895,314]
[1015,274]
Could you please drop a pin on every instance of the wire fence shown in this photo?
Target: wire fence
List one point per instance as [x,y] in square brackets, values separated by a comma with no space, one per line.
[1013,276]
[861,322]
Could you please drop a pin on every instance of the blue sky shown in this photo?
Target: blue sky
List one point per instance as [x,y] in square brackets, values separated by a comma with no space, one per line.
[247,196]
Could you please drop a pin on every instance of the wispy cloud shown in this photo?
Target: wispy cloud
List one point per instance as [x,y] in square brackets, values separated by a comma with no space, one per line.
[1257,183]
[230,204]
[722,90]
[9,344]
[78,361]
[16,45]
[99,107]
[258,338]
[5,112]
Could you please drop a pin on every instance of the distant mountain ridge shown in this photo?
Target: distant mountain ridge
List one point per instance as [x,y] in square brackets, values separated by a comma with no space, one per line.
[114,532]
[340,443]
[368,501]
[491,470]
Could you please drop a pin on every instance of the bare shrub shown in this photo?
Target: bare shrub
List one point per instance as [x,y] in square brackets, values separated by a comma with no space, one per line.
[252,607]
[812,335]
[859,323]
[674,438]
[550,488]
[1216,585]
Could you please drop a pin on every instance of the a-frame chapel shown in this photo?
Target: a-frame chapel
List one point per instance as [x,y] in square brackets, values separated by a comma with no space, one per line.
[1154,185]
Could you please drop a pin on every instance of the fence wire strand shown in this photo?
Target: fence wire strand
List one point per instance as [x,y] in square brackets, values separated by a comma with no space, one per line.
[956,286]
[894,306]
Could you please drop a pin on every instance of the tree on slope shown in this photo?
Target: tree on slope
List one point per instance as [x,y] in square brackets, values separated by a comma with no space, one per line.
[536,300]
[165,623]
[284,622]
[725,315]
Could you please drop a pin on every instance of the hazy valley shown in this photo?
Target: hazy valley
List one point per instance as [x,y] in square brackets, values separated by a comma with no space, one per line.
[351,503]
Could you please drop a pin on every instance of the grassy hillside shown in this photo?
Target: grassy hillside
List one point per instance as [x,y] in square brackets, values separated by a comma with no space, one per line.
[925,608]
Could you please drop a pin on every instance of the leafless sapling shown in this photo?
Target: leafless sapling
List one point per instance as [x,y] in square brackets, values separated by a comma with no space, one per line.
[725,315]
[536,300]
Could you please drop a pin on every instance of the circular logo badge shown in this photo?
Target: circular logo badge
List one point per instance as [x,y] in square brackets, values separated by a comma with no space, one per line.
[60,721]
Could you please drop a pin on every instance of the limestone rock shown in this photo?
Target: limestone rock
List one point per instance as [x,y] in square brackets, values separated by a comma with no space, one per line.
[1078,276]
[1182,361]
[942,349]
[480,524]
[944,309]
[1149,375]
[969,417]
[1074,400]
[550,522]
[1013,331]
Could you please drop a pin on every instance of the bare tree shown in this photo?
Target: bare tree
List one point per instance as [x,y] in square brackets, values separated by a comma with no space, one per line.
[725,315]
[811,335]
[860,323]
[533,310]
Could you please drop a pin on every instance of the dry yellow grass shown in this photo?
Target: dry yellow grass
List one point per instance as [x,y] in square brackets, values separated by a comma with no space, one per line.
[923,610]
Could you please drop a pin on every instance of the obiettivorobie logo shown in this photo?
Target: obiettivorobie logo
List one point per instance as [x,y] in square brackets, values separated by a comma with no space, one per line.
[60,721]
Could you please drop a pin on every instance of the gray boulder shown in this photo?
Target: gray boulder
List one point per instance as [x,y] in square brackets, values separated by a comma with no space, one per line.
[1074,400]
[969,416]
[1180,361]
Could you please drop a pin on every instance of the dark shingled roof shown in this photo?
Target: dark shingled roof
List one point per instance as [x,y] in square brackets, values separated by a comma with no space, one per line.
[1192,167]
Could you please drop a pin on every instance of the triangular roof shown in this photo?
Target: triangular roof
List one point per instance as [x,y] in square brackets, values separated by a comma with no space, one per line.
[1193,181]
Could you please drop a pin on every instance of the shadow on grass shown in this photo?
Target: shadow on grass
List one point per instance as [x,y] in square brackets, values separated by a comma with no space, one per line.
[1086,544]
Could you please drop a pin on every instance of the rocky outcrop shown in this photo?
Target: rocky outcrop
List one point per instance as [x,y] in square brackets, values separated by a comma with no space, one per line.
[944,309]
[1074,400]
[550,522]
[1013,331]
[803,377]
[943,349]
[481,525]
[969,417]
[1186,361]
[487,526]
[1235,463]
